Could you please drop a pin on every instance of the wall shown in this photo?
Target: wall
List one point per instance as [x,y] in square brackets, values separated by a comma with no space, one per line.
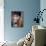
[43,6]
[1,21]
[29,7]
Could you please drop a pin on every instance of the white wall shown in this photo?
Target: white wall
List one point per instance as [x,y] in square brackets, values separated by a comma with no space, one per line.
[43,6]
[1,20]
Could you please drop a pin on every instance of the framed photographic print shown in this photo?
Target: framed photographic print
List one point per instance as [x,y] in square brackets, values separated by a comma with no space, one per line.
[17,19]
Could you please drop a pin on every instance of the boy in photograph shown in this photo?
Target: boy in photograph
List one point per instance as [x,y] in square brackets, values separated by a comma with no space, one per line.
[17,20]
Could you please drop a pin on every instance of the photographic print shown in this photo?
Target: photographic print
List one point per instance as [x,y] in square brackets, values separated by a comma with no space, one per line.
[17,19]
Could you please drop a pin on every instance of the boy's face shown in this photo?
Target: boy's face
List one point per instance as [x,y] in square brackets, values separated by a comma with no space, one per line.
[15,18]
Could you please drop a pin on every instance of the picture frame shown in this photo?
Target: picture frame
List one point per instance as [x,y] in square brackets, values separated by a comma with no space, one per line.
[17,19]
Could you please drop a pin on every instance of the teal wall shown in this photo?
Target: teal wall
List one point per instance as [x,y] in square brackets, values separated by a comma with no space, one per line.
[29,7]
